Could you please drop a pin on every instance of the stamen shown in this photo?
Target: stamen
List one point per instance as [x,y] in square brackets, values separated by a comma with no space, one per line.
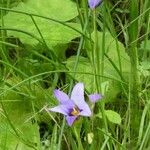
[75,111]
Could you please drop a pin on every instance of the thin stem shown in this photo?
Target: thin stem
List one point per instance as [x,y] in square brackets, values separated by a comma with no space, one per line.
[96,59]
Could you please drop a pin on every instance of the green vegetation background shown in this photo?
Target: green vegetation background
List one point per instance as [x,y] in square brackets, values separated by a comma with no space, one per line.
[56,43]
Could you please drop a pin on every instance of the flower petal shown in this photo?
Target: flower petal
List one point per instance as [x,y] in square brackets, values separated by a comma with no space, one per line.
[70,119]
[77,95]
[59,109]
[95,97]
[61,96]
[86,111]
[94,3]
[64,108]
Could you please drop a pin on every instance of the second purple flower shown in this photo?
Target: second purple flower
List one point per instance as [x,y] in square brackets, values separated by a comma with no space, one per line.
[94,3]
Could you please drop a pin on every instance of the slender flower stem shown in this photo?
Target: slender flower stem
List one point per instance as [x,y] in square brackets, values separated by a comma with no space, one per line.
[96,58]
[98,70]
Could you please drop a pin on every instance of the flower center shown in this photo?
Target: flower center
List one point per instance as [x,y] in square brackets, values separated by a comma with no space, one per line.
[75,111]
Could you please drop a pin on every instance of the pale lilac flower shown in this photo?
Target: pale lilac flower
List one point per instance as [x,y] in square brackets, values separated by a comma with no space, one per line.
[95,97]
[94,3]
[74,106]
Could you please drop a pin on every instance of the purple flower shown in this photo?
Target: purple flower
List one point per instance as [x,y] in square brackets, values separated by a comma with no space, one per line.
[94,3]
[74,106]
[95,97]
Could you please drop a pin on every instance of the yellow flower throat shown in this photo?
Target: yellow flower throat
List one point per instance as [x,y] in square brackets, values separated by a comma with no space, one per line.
[75,111]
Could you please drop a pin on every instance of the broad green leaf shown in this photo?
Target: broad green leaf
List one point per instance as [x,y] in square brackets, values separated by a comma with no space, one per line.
[113,116]
[111,46]
[63,10]
[85,70]
[53,32]
[86,74]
